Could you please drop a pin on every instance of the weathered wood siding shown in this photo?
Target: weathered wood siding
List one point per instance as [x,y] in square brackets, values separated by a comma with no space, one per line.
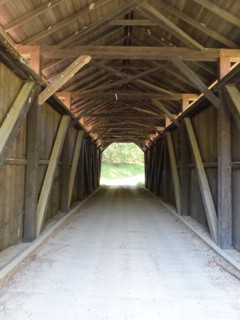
[158,171]
[12,172]
[236,185]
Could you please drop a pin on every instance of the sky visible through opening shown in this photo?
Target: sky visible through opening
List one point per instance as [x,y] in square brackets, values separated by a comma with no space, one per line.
[122,164]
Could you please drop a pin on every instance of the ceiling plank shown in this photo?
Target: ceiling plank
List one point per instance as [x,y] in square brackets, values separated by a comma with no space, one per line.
[196,81]
[2,2]
[30,15]
[131,78]
[103,22]
[154,15]
[194,23]
[63,78]
[135,52]
[59,25]
[93,41]
[120,82]
[224,14]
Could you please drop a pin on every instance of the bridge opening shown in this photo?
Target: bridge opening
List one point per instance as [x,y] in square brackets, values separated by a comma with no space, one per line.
[123,164]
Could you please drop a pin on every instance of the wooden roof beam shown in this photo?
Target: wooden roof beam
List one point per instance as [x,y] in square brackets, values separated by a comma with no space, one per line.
[136,77]
[124,81]
[166,112]
[2,2]
[102,22]
[136,53]
[45,33]
[196,81]
[63,78]
[30,15]
[154,15]
[215,9]
[194,23]
[120,95]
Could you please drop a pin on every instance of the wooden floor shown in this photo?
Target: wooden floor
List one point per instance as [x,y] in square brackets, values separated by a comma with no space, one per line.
[124,256]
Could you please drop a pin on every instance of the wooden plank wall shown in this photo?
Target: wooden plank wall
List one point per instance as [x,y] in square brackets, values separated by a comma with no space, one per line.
[12,172]
[158,171]
[236,185]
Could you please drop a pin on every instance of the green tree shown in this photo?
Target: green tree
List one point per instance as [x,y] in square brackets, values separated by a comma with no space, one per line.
[123,153]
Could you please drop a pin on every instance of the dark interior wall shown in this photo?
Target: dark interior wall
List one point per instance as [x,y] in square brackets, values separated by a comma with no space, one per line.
[236,184]
[13,171]
[205,125]
[205,128]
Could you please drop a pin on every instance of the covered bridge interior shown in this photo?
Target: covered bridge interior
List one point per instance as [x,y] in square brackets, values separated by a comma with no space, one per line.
[76,76]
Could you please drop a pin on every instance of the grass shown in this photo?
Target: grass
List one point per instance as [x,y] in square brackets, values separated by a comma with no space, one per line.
[111,172]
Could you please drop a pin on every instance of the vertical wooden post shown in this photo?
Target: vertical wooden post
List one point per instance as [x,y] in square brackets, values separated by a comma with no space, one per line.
[74,167]
[224,167]
[146,163]
[32,172]
[175,176]
[65,173]
[165,169]
[95,175]
[81,173]
[185,172]
[86,187]
[153,167]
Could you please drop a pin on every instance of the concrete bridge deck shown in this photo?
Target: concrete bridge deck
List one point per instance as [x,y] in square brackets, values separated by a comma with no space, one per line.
[123,256]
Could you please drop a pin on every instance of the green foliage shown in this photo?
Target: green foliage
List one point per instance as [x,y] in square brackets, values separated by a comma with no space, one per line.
[123,153]
[111,171]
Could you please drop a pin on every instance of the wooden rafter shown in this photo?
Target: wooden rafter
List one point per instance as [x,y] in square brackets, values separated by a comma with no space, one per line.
[56,27]
[154,15]
[166,112]
[127,79]
[196,81]
[194,23]
[2,2]
[103,22]
[63,78]
[215,9]
[31,15]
